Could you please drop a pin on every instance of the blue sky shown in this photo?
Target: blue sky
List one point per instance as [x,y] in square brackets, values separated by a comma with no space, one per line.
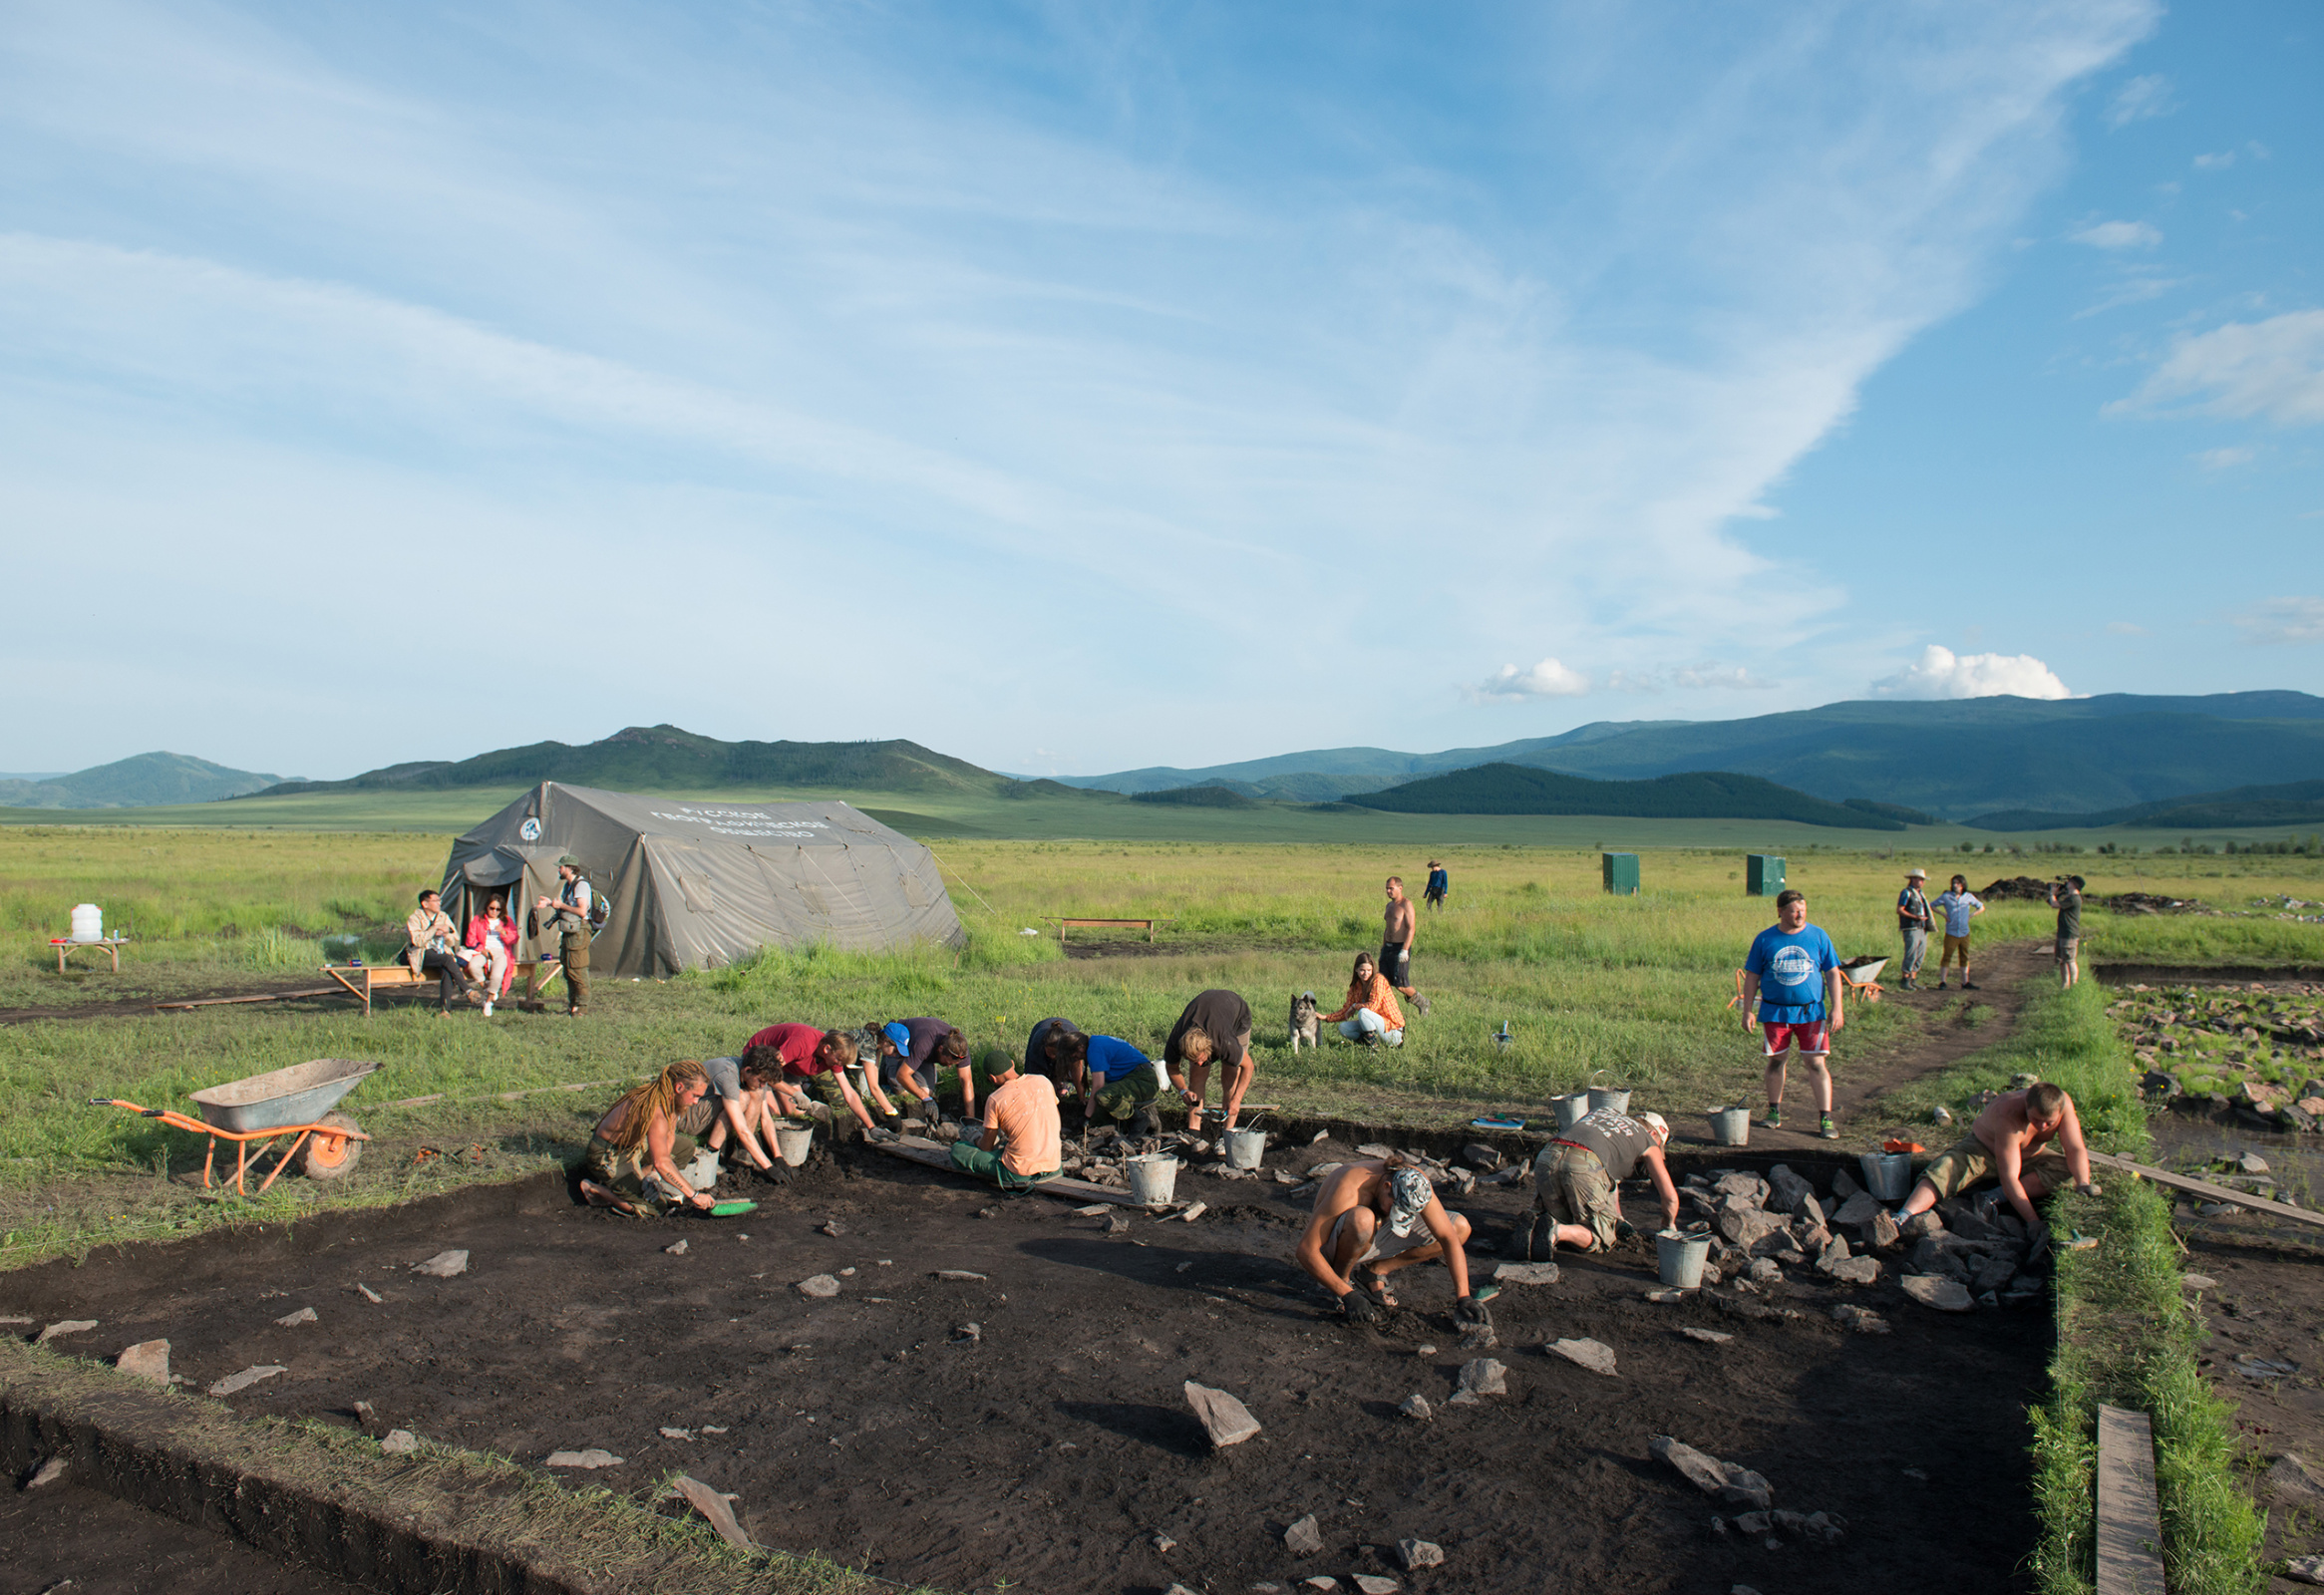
[1072,388]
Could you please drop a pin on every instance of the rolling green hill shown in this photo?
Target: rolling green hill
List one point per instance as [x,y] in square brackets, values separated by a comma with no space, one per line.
[2300,802]
[135,783]
[1700,795]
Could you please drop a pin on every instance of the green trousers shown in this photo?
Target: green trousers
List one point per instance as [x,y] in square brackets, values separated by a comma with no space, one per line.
[1128,1095]
[987,1166]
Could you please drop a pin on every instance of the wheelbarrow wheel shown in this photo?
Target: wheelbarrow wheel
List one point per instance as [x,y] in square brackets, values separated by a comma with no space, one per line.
[328,1155]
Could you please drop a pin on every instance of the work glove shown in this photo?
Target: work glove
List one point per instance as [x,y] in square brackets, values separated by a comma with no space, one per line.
[2090,1187]
[1469,1313]
[776,1173]
[1360,1308]
[874,1134]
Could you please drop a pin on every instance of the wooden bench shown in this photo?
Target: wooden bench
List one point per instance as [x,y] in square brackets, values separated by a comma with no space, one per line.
[1063,925]
[361,980]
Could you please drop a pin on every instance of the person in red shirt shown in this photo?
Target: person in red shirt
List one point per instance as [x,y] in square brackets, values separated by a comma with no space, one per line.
[814,1063]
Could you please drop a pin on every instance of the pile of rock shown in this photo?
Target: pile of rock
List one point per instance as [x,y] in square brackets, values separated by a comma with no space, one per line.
[2246,1052]
[1767,1226]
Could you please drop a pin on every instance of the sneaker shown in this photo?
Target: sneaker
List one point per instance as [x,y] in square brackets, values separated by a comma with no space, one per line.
[1827,1129]
[1774,1120]
[1970,985]
[487,1007]
[1142,1125]
[1420,1003]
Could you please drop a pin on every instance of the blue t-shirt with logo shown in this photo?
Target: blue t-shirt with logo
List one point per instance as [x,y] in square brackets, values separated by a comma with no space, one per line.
[1113,1058]
[1791,967]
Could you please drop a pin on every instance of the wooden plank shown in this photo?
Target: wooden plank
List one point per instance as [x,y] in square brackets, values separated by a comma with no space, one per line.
[2130,1518]
[933,1155]
[2204,1189]
[262,997]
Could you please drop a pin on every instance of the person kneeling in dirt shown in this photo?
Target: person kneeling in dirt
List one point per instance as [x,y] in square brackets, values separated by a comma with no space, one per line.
[1024,1139]
[635,1148]
[1215,1027]
[1377,1215]
[741,1101]
[1576,1181]
[816,1063]
[913,1053]
[2005,1144]
[1048,1052]
[1119,1083]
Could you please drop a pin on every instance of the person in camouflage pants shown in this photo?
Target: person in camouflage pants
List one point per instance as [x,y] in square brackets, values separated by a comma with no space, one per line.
[1123,1082]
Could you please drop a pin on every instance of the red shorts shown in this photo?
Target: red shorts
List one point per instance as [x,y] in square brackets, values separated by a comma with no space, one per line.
[1812,1040]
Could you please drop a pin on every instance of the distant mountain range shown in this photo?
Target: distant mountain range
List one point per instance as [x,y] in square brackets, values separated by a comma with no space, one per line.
[1952,759]
[2301,803]
[1517,789]
[135,783]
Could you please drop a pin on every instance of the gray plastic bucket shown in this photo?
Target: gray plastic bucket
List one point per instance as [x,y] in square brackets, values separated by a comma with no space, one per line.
[1569,1109]
[792,1143]
[1152,1178]
[1618,1098]
[1245,1148]
[1682,1258]
[1730,1126]
[1889,1176]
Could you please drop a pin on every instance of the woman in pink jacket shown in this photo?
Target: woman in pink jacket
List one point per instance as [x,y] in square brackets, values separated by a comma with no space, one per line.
[493,934]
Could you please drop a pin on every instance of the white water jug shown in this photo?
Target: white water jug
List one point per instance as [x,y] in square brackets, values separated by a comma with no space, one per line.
[88,922]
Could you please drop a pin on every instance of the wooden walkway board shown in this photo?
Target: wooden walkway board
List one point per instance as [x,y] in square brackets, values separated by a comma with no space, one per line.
[2130,1518]
[933,1155]
[2204,1189]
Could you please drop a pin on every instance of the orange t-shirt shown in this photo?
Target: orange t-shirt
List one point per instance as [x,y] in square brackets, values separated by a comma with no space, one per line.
[1025,1110]
[1380,997]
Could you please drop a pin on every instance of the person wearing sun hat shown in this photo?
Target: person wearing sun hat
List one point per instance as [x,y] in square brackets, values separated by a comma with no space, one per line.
[1914,921]
[1576,1203]
[1376,1215]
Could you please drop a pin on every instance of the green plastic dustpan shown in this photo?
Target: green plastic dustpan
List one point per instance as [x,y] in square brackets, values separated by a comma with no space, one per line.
[731,1209]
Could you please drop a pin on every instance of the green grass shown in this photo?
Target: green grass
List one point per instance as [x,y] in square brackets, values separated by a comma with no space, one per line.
[2127,1334]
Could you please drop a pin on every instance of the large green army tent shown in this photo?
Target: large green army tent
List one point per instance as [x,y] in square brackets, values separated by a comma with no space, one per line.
[697,884]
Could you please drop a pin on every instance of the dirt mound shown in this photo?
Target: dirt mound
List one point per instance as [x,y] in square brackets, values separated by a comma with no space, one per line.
[2024,889]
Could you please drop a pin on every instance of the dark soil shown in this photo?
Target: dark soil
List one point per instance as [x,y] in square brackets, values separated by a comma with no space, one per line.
[1055,1448]
[76,1541]
[102,995]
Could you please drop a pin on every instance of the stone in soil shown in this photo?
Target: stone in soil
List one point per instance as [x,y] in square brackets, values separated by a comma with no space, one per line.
[1321,1583]
[399,1443]
[1862,1320]
[1593,1355]
[1419,1554]
[593,1457]
[1415,1405]
[1374,1584]
[247,1377]
[1526,1274]
[2292,1481]
[148,1360]
[1303,1538]
[1787,1190]
[1193,1212]
[1765,1271]
[47,1474]
[1728,1481]
[305,1315]
[1858,1271]
[2252,1163]
[1933,1290]
[818,1285]
[444,1265]
[1481,1157]
[1485,1376]
[1922,1225]
[67,1326]
[1708,1337]
[1748,1226]
[676,1248]
[2305,1569]
[1228,1421]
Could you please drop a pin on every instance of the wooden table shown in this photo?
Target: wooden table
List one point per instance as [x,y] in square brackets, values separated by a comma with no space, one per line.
[65,944]
[361,980]
[1063,925]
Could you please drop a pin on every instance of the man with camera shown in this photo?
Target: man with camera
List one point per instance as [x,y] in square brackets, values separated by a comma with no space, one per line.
[2066,897]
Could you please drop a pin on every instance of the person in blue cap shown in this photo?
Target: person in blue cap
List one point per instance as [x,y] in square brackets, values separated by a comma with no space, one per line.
[915,1056]
[1374,1216]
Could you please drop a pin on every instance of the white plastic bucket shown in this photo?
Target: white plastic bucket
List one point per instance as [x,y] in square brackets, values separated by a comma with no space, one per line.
[1569,1109]
[1152,1178]
[1245,1147]
[792,1143]
[88,922]
[1889,1176]
[1730,1126]
[1618,1098]
[1682,1258]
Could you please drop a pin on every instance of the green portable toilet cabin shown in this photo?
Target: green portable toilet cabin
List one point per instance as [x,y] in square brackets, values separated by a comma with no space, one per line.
[1620,872]
[1763,875]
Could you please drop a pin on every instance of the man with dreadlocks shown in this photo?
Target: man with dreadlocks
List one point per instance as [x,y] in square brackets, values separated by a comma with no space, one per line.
[634,1151]
[1380,1215]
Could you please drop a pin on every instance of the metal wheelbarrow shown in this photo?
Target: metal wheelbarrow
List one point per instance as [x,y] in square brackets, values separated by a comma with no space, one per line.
[1864,977]
[292,1101]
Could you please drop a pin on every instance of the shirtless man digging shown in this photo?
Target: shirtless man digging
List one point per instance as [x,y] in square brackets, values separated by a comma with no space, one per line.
[1395,927]
[2006,1145]
[1380,1215]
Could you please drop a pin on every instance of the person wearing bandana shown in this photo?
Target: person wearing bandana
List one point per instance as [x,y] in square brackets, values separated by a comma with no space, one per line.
[1373,1217]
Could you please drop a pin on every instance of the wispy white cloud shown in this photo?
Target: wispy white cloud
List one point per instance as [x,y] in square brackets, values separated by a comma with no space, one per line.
[2281,620]
[2127,628]
[2272,368]
[2119,235]
[1709,674]
[1941,673]
[2224,459]
[2216,163]
[2141,96]
[1548,679]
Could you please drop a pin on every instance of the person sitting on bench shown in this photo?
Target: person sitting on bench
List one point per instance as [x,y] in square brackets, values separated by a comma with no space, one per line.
[2005,1144]
[1377,1215]
[493,934]
[634,1151]
[1024,1139]
[432,941]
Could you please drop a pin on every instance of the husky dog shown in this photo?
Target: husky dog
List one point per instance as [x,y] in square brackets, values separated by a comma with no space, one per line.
[1304,1025]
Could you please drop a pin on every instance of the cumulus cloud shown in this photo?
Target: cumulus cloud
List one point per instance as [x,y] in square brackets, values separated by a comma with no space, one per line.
[2272,367]
[1548,679]
[2119,235]
[2281,620]
[2139,98]
[1941,673]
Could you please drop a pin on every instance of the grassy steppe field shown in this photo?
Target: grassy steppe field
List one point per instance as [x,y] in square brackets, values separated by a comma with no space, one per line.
[1634,987]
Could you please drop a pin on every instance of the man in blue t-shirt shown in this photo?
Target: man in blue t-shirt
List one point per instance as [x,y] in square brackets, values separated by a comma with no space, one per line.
[1120,1082]
[1793,973]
